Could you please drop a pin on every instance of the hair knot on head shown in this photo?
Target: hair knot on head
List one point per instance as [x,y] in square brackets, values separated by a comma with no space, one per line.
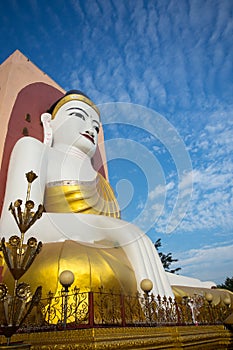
[71,95]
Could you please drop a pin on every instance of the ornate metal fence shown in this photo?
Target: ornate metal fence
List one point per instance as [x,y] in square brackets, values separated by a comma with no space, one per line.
[101,309]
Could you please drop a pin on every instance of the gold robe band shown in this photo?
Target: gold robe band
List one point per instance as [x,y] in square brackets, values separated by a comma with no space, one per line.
[91,197]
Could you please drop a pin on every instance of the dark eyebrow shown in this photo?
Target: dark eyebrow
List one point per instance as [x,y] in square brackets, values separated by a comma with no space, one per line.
[80,109]
[96,122]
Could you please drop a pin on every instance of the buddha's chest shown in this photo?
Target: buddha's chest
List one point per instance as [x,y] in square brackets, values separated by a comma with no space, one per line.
[65,167]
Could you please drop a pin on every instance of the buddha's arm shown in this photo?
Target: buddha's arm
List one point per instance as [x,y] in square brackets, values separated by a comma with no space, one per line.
[28,154]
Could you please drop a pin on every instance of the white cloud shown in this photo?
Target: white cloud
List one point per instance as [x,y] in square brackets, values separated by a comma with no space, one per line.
[161,190]
[188,179]
[213,263]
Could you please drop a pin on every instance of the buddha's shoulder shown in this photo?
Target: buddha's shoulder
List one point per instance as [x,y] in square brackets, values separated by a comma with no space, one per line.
[28,143]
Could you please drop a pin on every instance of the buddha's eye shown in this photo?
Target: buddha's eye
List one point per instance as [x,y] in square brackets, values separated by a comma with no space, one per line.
[79,115]
[97,129]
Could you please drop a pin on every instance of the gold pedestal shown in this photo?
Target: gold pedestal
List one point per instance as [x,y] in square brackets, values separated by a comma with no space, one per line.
[132,338]
[15,346]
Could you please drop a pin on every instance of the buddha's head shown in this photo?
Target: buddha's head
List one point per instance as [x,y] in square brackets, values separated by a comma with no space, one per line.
[75,121]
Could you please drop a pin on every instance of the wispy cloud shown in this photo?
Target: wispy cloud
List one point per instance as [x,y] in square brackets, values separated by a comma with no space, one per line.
[160,190]
[210,263]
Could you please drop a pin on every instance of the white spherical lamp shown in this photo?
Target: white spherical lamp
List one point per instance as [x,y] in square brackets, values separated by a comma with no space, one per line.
[227,301]
[66,278]
[146,285]
[209,297]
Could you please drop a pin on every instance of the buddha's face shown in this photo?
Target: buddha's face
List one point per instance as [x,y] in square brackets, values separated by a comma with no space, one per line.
[77,124]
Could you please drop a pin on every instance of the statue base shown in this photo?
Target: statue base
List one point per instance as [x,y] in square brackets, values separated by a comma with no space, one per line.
[14,345]
[143,338]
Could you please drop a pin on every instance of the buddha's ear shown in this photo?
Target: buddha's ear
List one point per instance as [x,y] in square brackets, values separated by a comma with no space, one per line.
[48,132]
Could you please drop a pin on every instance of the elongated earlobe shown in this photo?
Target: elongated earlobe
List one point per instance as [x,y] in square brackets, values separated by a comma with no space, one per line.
[48,133]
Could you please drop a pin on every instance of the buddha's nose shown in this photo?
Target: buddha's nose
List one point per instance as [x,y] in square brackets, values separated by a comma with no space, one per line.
[90,132]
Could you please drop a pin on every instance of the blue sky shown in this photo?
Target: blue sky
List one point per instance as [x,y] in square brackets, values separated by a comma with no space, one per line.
[161,71]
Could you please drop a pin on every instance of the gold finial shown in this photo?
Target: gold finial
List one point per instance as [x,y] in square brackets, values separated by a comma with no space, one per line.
[31,176]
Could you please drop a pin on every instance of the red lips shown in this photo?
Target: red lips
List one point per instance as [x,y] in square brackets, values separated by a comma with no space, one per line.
[89,137]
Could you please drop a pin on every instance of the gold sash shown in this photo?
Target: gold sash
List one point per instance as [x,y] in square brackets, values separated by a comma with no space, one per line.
[90,197]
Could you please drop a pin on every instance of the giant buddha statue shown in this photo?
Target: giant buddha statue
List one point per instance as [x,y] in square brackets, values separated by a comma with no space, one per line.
[81,227]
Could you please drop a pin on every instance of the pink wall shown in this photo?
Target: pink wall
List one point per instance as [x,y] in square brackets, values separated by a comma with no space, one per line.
[34,99]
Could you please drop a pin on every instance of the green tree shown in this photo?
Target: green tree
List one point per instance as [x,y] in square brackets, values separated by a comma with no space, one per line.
[166,259]
[228,284]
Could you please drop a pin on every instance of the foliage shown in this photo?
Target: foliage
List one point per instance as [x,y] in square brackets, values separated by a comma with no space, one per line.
[228,284]
[166,259]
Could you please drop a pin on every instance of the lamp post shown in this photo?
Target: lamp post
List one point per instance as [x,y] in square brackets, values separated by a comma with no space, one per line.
[147,285]
[209,298]
[227,302]
[66,278]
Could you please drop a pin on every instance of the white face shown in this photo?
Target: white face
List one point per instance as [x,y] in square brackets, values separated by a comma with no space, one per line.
[77,124]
